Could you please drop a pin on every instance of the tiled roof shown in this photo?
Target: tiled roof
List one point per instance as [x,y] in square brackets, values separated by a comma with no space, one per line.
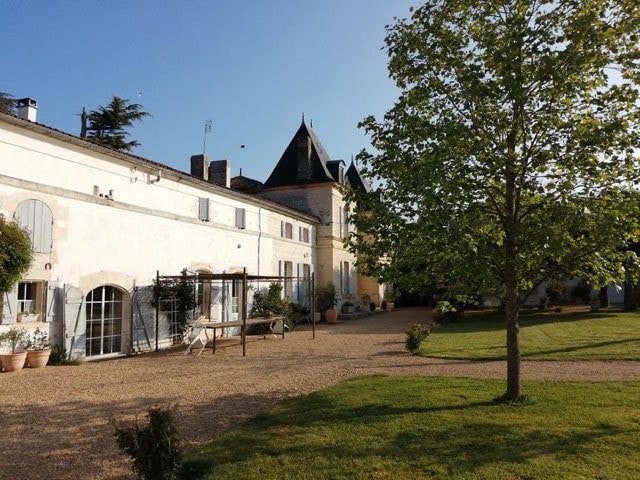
[246,184]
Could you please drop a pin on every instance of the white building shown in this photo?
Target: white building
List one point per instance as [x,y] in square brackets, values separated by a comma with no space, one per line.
[103,223]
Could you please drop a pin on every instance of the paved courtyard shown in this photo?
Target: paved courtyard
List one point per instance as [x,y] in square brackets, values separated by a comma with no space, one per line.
[56,420]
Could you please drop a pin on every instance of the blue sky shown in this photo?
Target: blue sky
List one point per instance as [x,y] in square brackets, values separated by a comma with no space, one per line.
[251,66]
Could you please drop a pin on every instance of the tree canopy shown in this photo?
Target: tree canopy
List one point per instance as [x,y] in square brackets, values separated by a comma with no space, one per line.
[7,103]
[509,157]
[15,256]
[107,125]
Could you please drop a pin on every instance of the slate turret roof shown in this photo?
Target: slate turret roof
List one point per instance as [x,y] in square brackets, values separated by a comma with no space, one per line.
[356,180]
[303,162]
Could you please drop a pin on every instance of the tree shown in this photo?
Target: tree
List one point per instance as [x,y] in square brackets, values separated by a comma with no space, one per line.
[15,256]
[107,125]
[7,103]
[508,157]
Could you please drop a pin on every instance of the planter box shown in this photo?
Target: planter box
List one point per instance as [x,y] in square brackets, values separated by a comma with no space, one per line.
[348,309]
[331,315]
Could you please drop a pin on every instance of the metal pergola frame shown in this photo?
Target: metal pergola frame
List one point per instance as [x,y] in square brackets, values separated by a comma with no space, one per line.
[237,276]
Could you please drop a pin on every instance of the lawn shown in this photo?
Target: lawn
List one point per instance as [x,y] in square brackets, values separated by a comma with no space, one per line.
[373,428]
[543,336]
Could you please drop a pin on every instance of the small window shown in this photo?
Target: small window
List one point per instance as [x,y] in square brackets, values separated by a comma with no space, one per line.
[286,230]
[30,299]
[203,209]
[305,235]
[240,218]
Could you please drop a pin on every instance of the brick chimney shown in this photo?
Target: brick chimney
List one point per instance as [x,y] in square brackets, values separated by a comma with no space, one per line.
[27,108]
[220,173]
[200,166]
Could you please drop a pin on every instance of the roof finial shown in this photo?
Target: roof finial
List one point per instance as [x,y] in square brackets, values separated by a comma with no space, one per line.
[302,117]
[311,123]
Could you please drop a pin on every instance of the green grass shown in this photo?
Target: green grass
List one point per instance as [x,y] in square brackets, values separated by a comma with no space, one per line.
[412,428]
[606,335]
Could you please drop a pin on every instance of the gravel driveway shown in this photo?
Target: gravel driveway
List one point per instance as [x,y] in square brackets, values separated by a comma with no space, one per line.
[56,419]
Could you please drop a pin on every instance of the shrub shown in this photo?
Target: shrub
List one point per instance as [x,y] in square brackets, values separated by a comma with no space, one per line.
[555,290]
[372,306]
[58,355]
[154,448]
[326,297]
[445,312]
[383,305]
[415,336]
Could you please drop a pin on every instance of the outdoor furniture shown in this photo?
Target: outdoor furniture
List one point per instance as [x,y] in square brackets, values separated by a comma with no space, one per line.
[276,326]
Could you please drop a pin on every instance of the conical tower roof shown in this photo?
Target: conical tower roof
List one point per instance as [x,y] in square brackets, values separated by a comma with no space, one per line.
[304,161]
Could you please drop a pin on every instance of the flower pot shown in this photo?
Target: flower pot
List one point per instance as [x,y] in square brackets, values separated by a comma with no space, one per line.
[13,362]
[38,358]
[331,315]
[348,309]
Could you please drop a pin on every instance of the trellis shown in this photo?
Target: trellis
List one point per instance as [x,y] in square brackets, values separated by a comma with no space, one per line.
[245,283]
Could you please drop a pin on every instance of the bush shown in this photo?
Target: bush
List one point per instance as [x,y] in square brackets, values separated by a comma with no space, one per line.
[58,355]
[445,312]
[383,305]
[372,306]
[155,448]
[415,336]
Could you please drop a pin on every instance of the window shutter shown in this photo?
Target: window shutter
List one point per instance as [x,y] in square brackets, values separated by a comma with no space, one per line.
[35,217]
[203,209]
[281,228]
[240,218]
[9,307]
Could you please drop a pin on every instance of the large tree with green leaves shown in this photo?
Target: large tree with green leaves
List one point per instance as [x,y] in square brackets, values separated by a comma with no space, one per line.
[510,154]
[107,125]
[15,256]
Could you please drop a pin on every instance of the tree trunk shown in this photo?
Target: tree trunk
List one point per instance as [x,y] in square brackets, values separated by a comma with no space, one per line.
[513,333]
[630,297]
[604,297]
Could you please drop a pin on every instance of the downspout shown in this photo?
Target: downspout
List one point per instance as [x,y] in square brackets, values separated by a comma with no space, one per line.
[259,235]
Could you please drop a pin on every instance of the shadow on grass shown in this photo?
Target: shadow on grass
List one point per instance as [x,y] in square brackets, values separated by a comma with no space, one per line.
[577,348]
[495,322]
[414,436]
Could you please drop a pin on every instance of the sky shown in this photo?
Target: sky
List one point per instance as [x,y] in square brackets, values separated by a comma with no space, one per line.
[252,67]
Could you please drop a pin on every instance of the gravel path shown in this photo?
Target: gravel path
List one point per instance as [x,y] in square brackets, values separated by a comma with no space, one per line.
[56,419]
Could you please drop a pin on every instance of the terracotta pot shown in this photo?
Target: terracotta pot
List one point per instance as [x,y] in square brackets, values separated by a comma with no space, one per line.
[13,362]
[38,358]
[331,315]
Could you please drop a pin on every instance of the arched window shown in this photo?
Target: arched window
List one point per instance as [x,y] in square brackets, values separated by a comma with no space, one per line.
[104,321]
[35,217]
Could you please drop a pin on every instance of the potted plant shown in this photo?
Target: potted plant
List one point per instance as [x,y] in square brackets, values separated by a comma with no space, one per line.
[389,299]
[327,298]
[16,339]
[38,349]
[348,307]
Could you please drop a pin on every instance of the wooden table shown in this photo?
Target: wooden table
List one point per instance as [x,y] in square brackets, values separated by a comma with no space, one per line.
[243,324]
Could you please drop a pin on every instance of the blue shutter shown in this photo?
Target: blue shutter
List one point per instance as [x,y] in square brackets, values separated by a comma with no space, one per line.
[35,217]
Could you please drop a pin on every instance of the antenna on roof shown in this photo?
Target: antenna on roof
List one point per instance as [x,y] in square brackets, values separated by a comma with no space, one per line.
[302,117]
[207,129]
[311,123]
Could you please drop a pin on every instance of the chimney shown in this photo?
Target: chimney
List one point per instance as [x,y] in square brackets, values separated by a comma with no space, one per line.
[200,166]
[220,173]
[27,109]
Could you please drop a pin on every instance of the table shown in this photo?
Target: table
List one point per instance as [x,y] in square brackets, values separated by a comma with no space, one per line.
[208,325]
